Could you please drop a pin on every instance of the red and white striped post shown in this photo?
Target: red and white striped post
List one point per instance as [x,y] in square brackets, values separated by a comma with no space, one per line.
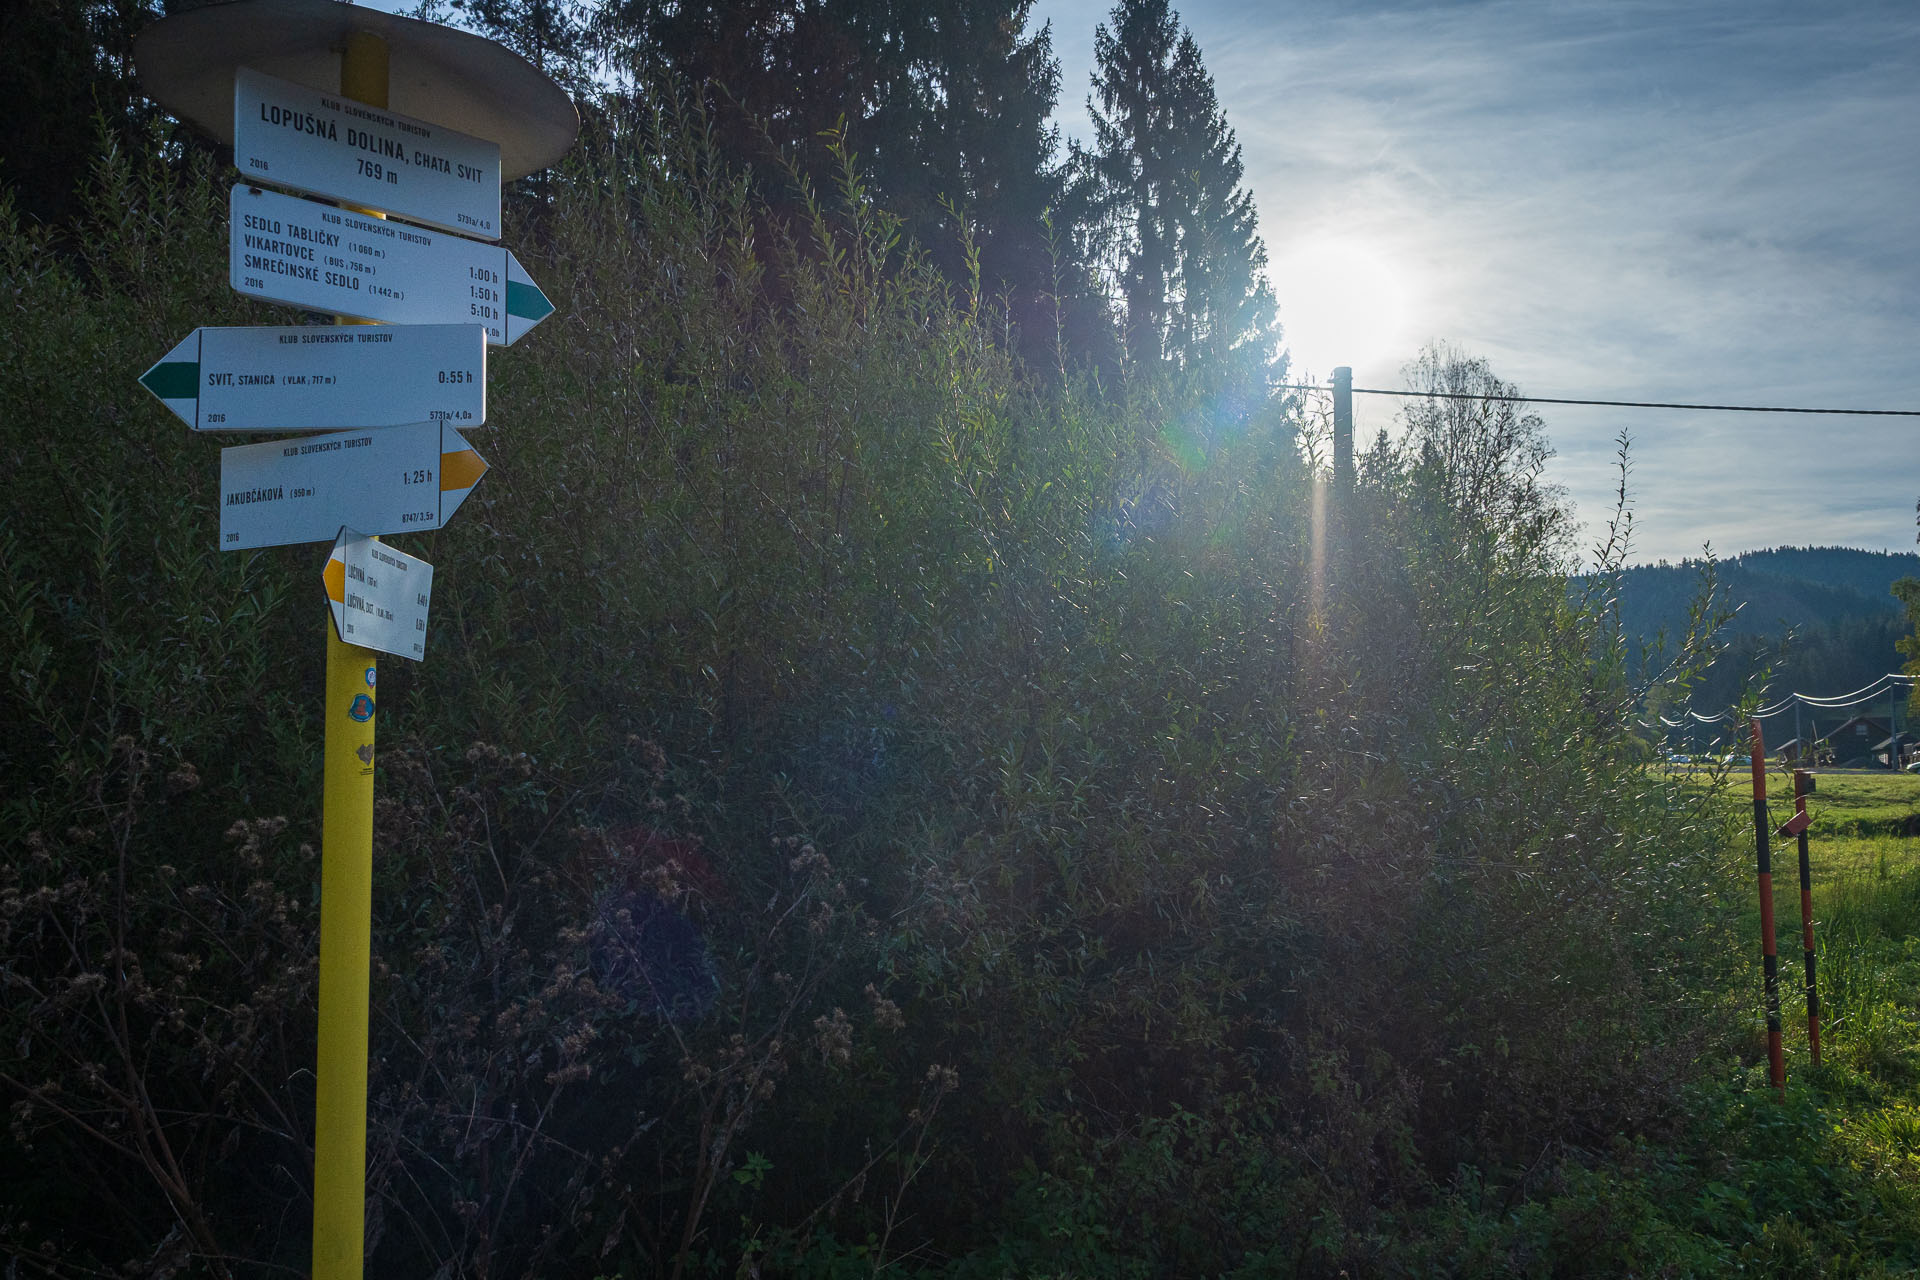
[1770,958]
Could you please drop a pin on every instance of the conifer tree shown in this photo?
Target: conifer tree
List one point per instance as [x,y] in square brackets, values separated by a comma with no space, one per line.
[551,34]
[1169,221]
[985,151]
[985,88]
[944,103]
[68,68]
[48,57]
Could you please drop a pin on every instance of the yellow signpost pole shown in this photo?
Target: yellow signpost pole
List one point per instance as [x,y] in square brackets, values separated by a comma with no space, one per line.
[346,929]
[346,887]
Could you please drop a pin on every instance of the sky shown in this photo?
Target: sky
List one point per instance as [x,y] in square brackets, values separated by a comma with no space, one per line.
[1696,201]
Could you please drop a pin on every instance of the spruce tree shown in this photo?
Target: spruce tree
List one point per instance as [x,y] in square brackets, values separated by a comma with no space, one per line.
[49,58]
[984,150]
[68,68]
[551,34]
[1168,218]
[944,104]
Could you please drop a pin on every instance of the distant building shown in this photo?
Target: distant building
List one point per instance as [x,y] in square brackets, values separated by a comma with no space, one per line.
[1863,730]
[1853,743]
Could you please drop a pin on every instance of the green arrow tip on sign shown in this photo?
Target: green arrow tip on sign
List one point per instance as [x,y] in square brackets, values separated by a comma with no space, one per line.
[174,380]
[527,302]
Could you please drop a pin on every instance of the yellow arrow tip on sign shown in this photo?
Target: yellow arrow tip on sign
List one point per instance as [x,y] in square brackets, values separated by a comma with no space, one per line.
[335,576]
[461,470]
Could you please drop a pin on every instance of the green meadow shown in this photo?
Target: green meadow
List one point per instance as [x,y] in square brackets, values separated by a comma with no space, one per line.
[1857,804]
[1824,1181]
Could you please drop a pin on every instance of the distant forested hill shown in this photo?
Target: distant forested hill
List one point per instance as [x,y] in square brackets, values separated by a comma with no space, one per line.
[1871,572]
[1834,600]
[1785,588]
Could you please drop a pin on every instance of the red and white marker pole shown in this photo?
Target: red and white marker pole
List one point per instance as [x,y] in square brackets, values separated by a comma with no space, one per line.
[1770,957]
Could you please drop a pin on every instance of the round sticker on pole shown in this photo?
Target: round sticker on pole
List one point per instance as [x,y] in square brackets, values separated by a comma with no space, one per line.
[371,673]
[362,708]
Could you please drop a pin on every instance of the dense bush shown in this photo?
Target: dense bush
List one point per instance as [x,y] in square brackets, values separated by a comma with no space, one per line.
[867,801]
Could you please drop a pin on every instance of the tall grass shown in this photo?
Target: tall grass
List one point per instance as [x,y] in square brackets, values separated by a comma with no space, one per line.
[1864,931]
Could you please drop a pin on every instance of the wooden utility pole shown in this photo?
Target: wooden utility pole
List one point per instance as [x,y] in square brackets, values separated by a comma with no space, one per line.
[1342,432]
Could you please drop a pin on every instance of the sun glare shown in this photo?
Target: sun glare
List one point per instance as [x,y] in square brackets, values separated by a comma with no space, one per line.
[1341,302]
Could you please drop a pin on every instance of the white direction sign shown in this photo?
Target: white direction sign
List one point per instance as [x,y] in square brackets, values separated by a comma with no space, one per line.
[389,480]
[323,258]
[316,378]
[293,136]
[379,595]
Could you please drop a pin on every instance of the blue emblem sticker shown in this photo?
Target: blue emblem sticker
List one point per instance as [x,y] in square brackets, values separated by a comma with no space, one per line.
[370,675]
[362,708]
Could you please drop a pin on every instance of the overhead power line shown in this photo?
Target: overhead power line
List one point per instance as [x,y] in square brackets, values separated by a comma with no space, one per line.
[1878,689]
[1612,404]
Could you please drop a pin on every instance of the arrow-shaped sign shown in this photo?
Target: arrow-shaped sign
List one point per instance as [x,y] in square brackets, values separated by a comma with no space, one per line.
[318,378]
[379,595]
[391,480]
[324,258]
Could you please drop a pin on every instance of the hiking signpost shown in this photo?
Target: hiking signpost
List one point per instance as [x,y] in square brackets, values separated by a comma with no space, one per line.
[411,127]
[313,378]
[379,595]
[326,144]
[326,258]
[392,480]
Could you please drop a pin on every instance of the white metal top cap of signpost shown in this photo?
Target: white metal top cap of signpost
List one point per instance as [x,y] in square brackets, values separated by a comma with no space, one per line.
[436,73]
